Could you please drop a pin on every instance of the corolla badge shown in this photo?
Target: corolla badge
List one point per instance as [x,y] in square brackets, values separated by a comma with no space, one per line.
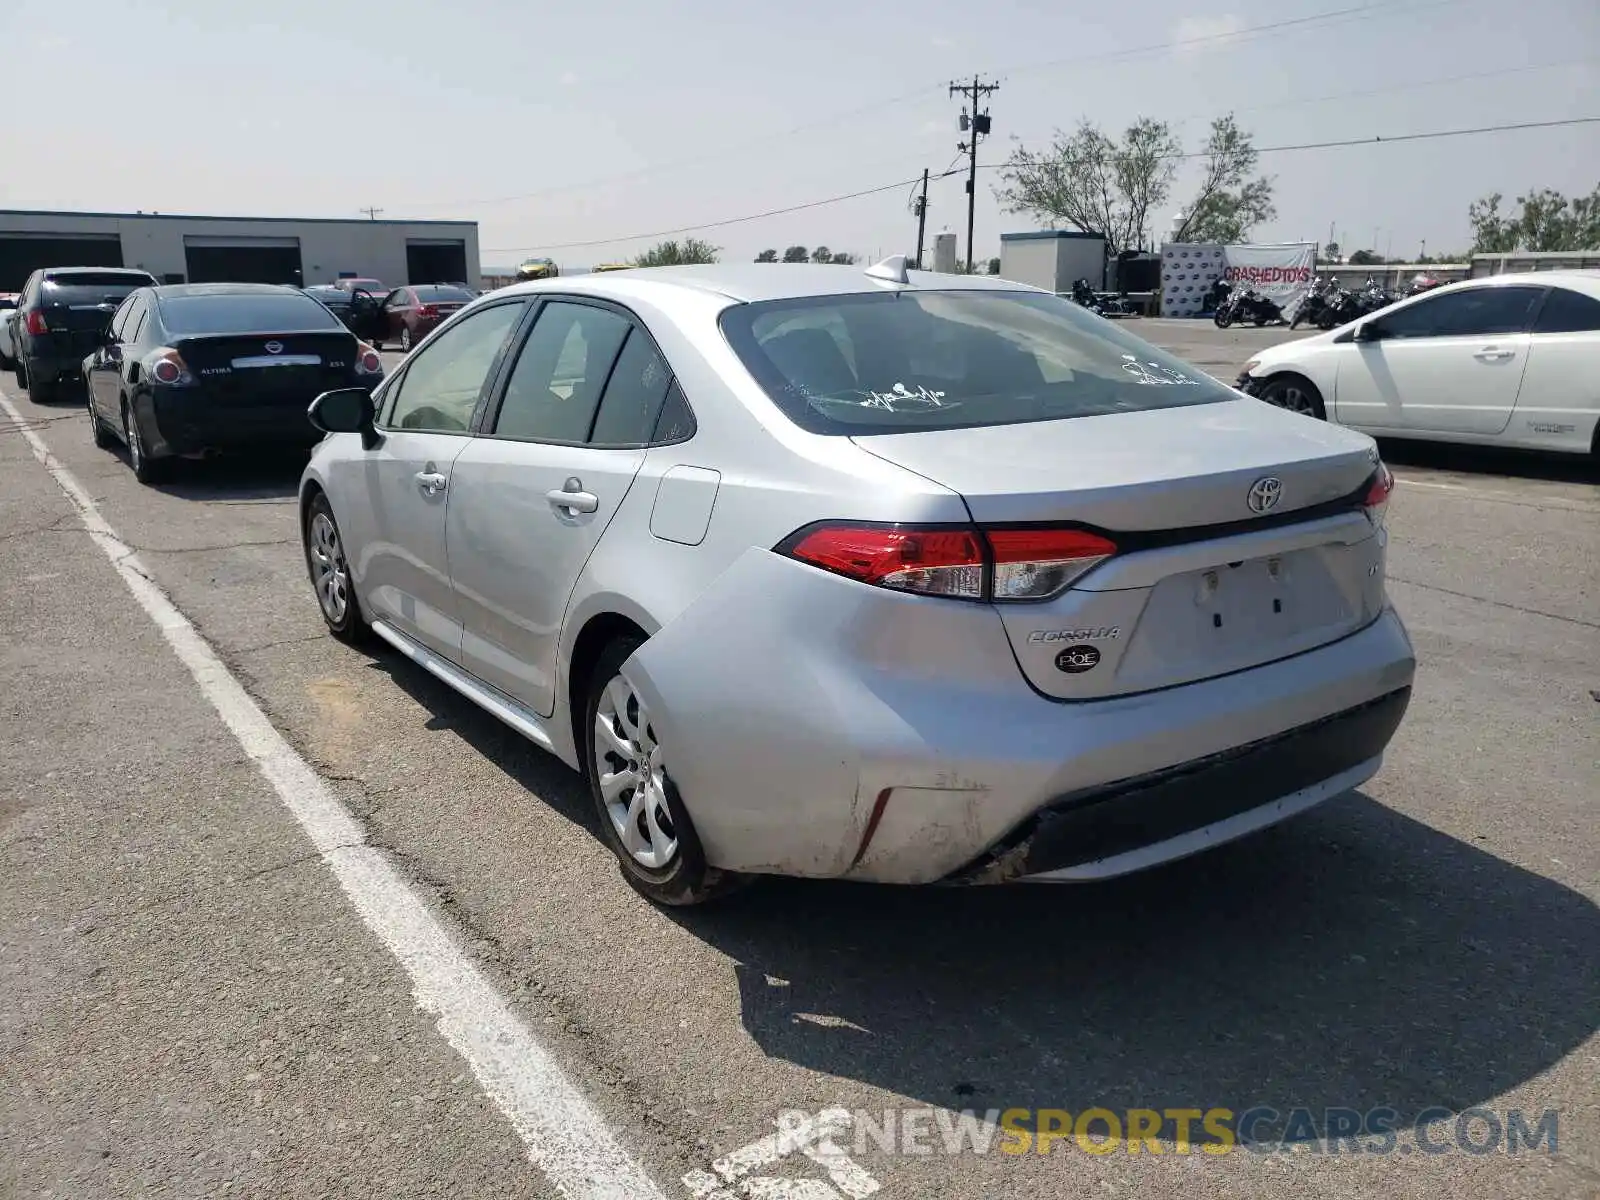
[274,347]
[1265,494]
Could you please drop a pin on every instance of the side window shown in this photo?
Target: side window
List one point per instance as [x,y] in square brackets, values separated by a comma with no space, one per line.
[675,422]
[444,382]
[119,319]
[1568,312]
[555,387]
[1478,312]
[633,395]
[137,323]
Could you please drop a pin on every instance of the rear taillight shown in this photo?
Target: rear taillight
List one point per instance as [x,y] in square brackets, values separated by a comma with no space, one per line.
[367,361]
[36,325]
[1376,501]
[960,562]
[427,310]
[166,367]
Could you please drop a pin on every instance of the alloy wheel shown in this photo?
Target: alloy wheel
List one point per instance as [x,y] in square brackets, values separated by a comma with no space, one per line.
[329,572]
[130,431]
[1294,398]
[405,340]
[628,765]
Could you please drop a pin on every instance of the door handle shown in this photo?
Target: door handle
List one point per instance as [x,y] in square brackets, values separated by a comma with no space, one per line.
[431,482]
[572,499]
[1493,354]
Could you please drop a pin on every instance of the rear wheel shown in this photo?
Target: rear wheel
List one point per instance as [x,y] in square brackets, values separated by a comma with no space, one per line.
[642,817]
[39,391]
[1295,394]
[146,470]
[405,339]
[330,574]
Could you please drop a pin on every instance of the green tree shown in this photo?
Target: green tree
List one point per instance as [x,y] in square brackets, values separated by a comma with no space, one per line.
[1544,220]
[677,254]
[1095,182]
[821,255]
[994,266]
[842,258]
[1331,251]
[796,254]
[1228,203]
[767,256]
[1364,258]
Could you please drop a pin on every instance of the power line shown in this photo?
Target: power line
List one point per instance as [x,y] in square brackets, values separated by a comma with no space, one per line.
[1376,140]
[372,213]
[1417,84]
[1333,16]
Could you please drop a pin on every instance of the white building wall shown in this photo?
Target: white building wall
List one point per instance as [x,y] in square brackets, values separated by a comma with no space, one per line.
[156,242]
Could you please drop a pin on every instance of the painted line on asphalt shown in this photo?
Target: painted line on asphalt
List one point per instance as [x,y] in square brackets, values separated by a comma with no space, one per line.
[565,1137]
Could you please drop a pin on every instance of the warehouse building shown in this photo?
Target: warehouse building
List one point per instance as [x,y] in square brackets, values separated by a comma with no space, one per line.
[189,249]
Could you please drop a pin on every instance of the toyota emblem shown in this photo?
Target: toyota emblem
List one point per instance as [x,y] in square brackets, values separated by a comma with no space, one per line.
[1265,494]
[274,347]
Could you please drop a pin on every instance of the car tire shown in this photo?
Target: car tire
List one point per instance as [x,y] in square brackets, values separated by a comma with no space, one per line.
[104,439]
[40,392]
[405,340]
[329,569]
[1294,393]
[146,470]
[681,877]
[20,372]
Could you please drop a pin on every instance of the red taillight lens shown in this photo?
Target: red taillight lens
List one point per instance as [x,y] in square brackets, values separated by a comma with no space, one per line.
[427,310]
[1033,564]
[1376,501]
[167,367]
[367,361]
[931,562]
[36,325]
[965,563]
[166,371]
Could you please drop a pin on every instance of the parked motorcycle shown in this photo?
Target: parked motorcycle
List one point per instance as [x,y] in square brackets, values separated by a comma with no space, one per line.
[1083,294]
[1247,305]
[1314,305]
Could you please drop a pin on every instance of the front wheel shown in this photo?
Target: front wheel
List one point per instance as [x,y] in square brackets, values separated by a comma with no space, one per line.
[329,568]
[642,817]
[1295,394]
[1224,318]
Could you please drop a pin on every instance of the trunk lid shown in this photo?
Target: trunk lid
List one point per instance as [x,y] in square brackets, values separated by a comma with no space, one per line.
[287,369]
[1202,584]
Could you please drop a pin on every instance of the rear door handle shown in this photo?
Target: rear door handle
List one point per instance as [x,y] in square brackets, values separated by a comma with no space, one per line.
[1493,354]
[431,482]
[571,498]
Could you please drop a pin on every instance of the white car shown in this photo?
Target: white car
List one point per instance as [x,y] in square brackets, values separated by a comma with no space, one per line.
[8,313]
[1510,360]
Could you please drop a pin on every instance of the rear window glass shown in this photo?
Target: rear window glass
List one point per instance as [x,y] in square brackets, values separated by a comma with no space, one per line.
[78,291]
[331,296]
[289,313]
[443,295]
[902,361]
[122,279]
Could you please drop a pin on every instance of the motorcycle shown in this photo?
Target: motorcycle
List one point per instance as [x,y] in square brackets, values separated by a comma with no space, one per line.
[1247,305]
[1083,294]
[1314,305]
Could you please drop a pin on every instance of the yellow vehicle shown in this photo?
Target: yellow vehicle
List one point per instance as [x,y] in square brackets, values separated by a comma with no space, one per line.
[537,268]
[613,267]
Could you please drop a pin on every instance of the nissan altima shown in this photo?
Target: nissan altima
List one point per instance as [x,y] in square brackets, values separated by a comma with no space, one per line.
[867,574]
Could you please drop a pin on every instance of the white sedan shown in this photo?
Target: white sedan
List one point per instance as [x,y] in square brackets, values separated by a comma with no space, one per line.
[1510,360]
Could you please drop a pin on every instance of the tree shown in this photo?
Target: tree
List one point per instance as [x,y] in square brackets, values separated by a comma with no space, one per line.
[1331,250]
[821,255]
[1546,220]
[1091,181]
[1228,203]
[767,256]
[796,254]
[1364,258]
[842,258]
[994,266]
[678,254]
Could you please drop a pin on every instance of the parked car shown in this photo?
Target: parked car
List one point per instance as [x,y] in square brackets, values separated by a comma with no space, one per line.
[537,268]
[1505,360]
[187,370]
[8,310]
[373,287]
[357,310]
[411,313]
[867,574]
[62,315]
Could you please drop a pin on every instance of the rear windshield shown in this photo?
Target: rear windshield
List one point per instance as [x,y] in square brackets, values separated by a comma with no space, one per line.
[442,295]
[288,313]
[122,279]
[331,296]
[78,291]
[366,285]
[893,362]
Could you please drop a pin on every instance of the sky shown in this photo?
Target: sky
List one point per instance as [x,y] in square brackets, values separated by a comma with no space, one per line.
[570,129]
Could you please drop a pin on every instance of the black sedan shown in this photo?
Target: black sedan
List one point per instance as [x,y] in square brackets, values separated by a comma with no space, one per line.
[190,370]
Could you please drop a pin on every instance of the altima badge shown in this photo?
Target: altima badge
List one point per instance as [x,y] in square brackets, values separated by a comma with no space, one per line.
[1265,494]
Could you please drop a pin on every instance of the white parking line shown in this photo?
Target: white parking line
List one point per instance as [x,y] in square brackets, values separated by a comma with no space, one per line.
[565,1137]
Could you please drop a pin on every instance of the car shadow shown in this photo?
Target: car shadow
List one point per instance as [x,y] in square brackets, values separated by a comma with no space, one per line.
[259,475]
[1490,460]
[1353,958]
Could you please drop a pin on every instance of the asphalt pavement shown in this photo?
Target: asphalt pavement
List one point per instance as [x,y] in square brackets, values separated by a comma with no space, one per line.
[190,1004]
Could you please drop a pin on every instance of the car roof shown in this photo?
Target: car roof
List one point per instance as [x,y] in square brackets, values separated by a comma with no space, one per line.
[753,282]
[172,291]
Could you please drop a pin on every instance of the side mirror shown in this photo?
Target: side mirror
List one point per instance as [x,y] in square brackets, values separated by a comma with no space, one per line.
[345,410]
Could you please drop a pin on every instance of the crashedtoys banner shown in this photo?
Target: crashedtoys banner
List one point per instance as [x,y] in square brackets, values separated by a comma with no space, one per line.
[1283,273]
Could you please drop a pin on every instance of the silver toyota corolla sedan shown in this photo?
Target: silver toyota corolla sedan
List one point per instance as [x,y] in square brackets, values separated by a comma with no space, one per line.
[867,574]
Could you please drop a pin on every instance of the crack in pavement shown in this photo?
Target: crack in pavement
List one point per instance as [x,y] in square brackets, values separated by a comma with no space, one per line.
[211,549]
[1521,608]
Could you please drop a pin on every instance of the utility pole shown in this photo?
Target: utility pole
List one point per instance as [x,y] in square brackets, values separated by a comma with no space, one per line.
[920,207]
[372,213]
[977,127]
